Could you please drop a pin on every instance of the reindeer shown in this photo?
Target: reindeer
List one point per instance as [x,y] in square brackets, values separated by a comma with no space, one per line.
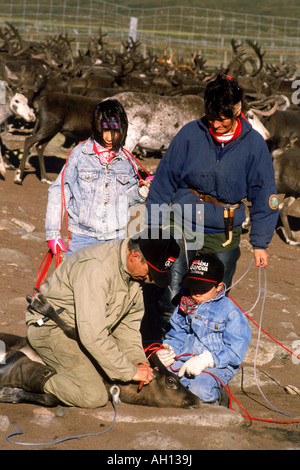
[165,390]
[153,121]
[282,126]
[14,104]
[286,162]
[57,112]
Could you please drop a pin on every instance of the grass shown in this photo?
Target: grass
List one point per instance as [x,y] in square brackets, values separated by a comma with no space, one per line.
[281,8]
[180,27]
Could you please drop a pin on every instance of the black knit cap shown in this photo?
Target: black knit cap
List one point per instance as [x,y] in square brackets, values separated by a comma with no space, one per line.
[160,250]
[205,272]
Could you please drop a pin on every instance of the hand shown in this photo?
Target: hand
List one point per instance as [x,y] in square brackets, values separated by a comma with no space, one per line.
[149,178]
[145,186]
[53,244]
[166,355]
[144,373]
[197,364]
[261,257]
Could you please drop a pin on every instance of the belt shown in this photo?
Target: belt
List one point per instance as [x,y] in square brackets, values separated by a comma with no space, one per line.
[228,213]
[214,200]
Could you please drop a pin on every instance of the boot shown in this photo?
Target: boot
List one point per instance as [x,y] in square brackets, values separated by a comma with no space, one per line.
[223,397]
[21,372]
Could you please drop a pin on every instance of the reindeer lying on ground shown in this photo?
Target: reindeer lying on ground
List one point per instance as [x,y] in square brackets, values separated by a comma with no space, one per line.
[165,390]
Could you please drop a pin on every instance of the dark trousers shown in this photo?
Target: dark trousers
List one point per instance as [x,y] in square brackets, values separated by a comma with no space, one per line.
[158,302]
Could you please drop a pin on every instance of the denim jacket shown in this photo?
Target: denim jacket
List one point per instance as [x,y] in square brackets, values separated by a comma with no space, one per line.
[97,196]
[217,325]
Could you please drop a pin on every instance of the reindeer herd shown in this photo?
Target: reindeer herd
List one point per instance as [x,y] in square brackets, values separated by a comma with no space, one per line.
[55,90]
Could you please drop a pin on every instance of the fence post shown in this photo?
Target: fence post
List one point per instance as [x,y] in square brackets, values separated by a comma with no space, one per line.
[2,352]
[2,92]
[133,28]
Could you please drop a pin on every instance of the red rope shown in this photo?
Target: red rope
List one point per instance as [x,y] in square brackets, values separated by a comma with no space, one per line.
[127,153]
[43,269]
[231,397]
[271,337]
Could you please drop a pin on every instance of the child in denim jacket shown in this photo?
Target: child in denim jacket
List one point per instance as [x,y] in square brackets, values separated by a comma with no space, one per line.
[208,333]
[98,184]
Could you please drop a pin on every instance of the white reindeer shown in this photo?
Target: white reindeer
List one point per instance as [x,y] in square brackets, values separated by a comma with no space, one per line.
[13,103]
[154,120]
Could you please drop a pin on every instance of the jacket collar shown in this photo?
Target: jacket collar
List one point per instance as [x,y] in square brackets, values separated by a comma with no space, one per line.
[88,149]
[123,259]
[246,127]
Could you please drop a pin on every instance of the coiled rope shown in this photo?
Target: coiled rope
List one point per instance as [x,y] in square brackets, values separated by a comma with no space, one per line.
[114,394]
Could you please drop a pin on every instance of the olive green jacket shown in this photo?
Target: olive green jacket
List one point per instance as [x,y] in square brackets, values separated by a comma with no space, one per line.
[100,299]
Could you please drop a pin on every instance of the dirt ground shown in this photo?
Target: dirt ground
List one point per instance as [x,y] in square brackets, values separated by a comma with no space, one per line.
[271,408]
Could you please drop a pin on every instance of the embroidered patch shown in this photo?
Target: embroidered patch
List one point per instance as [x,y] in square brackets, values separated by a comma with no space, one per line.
[169,262]
[273,201]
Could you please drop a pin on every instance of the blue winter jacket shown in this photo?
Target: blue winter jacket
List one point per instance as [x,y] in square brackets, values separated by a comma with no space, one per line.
[242,168]
[217,325]
[97,196]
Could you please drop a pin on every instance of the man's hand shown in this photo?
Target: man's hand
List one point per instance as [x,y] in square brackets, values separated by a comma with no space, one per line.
[261,258]
[144,373]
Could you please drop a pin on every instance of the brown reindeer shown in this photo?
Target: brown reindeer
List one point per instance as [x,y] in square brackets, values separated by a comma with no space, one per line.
[165,390]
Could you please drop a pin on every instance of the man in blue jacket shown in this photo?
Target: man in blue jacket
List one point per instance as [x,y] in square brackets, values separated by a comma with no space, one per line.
[214,163]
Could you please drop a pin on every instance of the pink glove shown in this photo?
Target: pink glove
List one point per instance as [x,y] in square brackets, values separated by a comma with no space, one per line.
[149,178]
[53,244]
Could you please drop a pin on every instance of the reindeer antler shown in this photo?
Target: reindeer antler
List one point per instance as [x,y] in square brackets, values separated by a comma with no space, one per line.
[12,39]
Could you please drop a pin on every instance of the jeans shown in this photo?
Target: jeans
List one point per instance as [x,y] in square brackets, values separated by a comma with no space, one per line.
[205,385]
[80,241]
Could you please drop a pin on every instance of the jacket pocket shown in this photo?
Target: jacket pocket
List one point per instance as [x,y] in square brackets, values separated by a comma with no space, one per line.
[88,182]
[88,176]
[215,326]
[213,335]
[123,179]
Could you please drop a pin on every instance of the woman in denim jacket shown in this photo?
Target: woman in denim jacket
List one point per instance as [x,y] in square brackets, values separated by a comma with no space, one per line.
[97,185]
[208,333]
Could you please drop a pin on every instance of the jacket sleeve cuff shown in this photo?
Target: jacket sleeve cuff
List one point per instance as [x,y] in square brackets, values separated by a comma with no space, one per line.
[52,235]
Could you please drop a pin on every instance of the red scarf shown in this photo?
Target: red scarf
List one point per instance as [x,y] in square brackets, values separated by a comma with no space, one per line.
[188,305]
[105,155]
[230,136]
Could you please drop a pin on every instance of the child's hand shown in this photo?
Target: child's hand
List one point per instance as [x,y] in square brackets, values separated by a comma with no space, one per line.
[145,186]
[56,242]
[197,364]
[166,355]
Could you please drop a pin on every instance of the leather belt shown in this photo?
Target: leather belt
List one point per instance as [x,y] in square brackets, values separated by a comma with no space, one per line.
[213,200]
[228,213]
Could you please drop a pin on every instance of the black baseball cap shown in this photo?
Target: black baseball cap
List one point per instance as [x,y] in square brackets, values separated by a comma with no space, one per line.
[160,250]
[205,271]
